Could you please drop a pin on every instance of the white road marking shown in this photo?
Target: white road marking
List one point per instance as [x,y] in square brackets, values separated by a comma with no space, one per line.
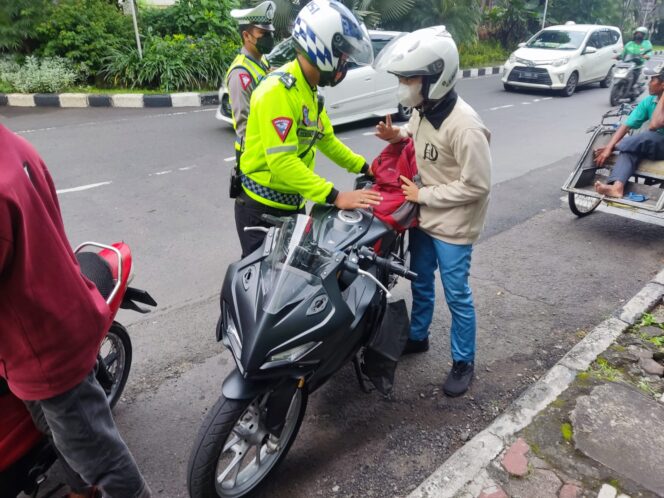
[159,173]
[229,159]
[36,130]
[547,98]
[526,103]
[82,187]
[368,133]
[501,107]
[187,168]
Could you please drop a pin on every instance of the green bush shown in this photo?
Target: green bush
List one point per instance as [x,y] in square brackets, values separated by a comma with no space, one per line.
[172,63]
[481,54]
[85,31]
[47,75]
[196,18]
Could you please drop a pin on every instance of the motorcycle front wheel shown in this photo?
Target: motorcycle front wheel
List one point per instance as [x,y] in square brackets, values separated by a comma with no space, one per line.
[234,453]
[617,91]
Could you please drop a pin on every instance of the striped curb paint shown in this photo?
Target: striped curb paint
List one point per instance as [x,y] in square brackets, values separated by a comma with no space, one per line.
[138,100]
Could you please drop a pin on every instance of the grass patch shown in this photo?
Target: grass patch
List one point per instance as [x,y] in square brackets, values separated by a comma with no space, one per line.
[645,386]
[567,431]
[583,376]
[647,319]
[482,54]
[603,370]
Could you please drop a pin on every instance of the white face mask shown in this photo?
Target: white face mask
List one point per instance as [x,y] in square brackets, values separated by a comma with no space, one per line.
[410,95]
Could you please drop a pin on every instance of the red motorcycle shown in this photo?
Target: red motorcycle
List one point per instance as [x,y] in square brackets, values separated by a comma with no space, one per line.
[25,453]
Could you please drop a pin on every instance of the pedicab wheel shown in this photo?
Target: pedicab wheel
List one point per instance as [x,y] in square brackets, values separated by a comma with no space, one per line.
[115,362]
[582,205]
[234,453]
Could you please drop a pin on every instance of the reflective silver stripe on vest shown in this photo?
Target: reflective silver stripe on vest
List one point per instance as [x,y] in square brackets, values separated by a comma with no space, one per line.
[281,148]
[270,194]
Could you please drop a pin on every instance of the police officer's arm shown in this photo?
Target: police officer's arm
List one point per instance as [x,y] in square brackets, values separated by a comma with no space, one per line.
[336,150]
[471,150]
[240,85]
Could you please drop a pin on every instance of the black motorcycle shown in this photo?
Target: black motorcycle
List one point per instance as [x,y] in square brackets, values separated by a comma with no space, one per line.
[627,84]
[293,313]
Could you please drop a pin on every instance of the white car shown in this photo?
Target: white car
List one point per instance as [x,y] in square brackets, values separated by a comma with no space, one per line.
[364,93]
[564,57]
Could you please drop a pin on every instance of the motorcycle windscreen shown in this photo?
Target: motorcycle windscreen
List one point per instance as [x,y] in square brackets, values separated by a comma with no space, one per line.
[291,273]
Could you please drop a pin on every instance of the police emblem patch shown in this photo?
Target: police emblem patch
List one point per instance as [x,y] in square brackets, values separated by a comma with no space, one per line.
[282,126]
[245,80]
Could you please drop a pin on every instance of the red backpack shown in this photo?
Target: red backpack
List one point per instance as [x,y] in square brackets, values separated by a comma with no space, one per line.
[393,161]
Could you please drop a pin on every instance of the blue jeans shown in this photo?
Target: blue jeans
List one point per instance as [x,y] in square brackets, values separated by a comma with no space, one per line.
[645,145]
[426,255]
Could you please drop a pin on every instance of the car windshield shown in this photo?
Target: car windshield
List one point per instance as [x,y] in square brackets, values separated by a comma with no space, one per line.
[557,40]
[293,268]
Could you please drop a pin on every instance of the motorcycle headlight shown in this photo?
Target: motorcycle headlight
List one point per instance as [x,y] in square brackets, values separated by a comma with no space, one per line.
[621,72]
[560,62]
[290,355]
[233,337]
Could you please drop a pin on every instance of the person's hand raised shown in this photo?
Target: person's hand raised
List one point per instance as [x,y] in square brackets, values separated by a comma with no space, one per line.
[385,130]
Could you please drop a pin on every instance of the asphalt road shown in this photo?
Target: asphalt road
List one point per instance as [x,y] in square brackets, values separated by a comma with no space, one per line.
[540,277]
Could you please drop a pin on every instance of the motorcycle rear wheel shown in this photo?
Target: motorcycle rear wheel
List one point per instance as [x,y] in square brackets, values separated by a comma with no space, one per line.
[115,353]
[617,92]
[232,433]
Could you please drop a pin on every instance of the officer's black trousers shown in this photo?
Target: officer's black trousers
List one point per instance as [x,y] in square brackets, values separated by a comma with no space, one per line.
[248,214]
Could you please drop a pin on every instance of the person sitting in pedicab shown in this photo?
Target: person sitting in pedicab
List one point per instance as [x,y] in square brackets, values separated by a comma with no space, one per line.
[633,148]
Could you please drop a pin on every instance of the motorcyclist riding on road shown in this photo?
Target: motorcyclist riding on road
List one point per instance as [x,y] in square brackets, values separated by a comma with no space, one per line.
[640,48]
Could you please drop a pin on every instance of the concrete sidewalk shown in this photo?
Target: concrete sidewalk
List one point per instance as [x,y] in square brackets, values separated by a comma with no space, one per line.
[591,427]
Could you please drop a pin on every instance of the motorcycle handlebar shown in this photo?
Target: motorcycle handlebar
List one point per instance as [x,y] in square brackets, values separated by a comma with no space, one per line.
[388,264]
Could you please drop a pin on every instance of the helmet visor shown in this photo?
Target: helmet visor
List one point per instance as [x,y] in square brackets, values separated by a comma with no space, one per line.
[353,42]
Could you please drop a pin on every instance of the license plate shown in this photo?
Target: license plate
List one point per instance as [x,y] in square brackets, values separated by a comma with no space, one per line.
[530,75]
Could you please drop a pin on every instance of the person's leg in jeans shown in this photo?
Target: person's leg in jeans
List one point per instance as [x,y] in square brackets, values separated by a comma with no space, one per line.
[633,148]
[423,262]
[454,263]
[77,485]
[84,432]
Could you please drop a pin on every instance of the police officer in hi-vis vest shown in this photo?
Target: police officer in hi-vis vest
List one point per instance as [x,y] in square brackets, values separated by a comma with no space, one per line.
[250,65]
[288,122]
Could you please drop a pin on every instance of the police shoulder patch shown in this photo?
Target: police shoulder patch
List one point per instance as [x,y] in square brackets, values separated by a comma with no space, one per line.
[282,126]
[245,80]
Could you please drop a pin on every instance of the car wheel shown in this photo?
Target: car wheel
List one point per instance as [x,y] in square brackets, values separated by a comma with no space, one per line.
[508,87]
[570,88]
[404,113]
[606,82]
[226,107]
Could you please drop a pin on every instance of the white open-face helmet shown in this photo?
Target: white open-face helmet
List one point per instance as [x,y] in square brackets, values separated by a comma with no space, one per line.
[429,52]
[329,35]
[643,30]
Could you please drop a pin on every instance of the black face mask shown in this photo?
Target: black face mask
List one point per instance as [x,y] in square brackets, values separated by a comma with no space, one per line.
[638,38]
[265,43]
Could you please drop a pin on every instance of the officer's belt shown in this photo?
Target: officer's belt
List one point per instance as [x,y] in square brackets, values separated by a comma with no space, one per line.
[294,200]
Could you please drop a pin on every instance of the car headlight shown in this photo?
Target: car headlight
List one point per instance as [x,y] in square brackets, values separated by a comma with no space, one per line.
[512,58]
[290,355]
[525,62]
[560,62]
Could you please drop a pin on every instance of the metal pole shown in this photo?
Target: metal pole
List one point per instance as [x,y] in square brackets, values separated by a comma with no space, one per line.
[138,38]
[546,5]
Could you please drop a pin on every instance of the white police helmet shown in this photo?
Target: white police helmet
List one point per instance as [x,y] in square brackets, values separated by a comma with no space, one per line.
[429,52]
[328,34]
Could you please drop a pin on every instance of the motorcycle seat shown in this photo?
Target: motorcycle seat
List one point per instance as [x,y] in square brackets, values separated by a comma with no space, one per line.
[98,271]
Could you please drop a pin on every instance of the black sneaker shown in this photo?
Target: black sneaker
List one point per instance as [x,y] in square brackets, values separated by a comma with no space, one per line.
[459,378]
[415,346]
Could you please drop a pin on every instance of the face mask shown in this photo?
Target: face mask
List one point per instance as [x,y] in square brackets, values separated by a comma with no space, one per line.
[410,95]
[638,39]
[265,43]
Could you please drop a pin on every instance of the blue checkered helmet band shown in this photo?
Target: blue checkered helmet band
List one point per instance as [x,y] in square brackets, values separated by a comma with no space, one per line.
[314,46]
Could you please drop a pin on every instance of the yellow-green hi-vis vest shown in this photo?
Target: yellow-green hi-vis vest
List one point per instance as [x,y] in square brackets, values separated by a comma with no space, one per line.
[278,160]
[257,72]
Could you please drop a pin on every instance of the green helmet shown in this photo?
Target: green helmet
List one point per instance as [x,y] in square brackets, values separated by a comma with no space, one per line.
[643,30]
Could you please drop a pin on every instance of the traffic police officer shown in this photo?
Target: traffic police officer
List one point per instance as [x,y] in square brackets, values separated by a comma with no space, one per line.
[287,123]
[250,65]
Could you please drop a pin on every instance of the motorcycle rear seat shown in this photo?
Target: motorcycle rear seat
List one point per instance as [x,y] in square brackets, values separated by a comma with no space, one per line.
[98,271]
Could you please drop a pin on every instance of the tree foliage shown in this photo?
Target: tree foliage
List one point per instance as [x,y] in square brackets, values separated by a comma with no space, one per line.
[18,22]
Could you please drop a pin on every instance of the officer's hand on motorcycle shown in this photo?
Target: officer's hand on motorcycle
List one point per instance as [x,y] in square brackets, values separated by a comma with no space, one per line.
[385,130]
[357,199]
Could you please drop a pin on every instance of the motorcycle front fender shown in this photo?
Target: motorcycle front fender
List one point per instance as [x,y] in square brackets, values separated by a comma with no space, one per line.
[235,386]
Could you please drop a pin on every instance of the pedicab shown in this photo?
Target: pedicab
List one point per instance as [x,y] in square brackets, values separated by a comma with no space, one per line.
[644,192]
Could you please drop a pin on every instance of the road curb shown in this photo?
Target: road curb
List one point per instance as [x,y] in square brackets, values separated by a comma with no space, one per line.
[140,100]
[471,459]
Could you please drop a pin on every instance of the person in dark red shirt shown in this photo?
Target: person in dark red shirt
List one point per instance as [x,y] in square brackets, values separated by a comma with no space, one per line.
[52,321]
